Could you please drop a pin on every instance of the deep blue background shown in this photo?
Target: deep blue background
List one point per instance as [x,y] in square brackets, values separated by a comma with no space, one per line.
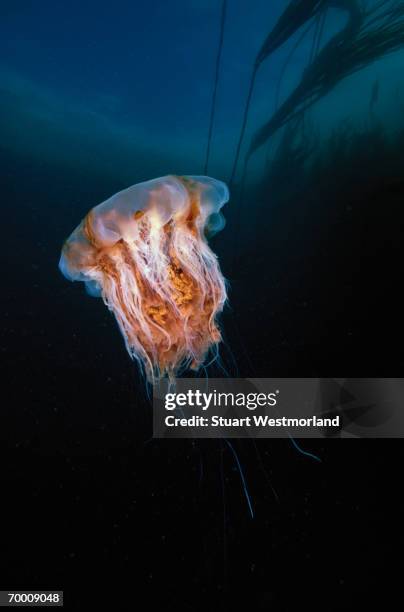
[95,96]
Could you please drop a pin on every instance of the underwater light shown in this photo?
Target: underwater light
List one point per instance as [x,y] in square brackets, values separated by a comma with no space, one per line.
[144,251]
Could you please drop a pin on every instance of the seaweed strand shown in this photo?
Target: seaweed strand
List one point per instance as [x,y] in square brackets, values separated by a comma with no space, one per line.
[214,93]
[286,64]
[243,125]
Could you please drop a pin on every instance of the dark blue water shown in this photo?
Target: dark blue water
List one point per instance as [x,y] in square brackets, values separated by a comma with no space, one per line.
[96,96]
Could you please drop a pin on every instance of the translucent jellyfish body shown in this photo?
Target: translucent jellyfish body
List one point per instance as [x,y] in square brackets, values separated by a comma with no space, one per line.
[144,251]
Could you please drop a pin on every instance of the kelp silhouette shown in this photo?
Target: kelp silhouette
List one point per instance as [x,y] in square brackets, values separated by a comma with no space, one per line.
[368,36]
[372,31]
[297,13]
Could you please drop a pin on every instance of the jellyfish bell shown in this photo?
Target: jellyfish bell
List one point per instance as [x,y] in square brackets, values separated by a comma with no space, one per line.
[144,251]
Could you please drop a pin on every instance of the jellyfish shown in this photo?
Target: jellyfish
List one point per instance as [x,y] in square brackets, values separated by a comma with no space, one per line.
[144,251]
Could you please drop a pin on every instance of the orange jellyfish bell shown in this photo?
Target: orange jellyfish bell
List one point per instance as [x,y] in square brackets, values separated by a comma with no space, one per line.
[145,252]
